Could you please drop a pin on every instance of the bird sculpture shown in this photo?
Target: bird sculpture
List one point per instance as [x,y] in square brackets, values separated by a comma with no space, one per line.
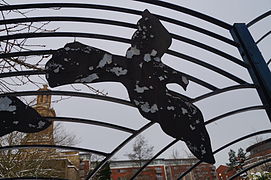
[16,116]
[145,77]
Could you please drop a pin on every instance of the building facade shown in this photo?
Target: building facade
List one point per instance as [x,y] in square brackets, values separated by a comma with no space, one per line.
[162,169]
[259,152]
[61,164]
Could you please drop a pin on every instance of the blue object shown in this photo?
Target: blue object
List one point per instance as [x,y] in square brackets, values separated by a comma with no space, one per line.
[258,68]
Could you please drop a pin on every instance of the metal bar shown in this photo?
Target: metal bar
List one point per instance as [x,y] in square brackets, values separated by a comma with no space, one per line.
[257,19]
[224,147]
[264,36]
[91,122]
[118,23]
[69,19]
[70,93]
[269,61]
[198,29]
[258,70]
[154,157]
[206,65]
[211,49]
[21,73]
[120,39]
[219,91]
[102,163]
[27,53]
[27,73]
[118,9]
[64,34]
[188,11]
[68,5]
[3,148]
[250,167]
[233,113]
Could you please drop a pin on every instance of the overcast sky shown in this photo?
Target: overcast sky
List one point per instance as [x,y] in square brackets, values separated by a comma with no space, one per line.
[221,132]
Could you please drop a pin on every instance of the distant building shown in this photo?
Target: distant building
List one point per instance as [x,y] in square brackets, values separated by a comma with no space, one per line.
[65,164]
[162,169]
[84,164]
[225,172]
[259,152]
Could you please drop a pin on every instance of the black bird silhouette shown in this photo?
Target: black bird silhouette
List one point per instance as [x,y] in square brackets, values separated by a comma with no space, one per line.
[16,116]
[145,77]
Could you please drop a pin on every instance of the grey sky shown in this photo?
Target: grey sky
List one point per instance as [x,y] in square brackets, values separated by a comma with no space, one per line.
[223,131]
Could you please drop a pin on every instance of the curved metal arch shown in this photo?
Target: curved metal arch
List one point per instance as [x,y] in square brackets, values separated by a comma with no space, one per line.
[70,5]
[206,123]
[22,73]
[91,122]
[27,53]
[251,108]
[211,49]
[65,34]
[250,167]
[69,93]
[154,157]
[264,36]
[190,12]
[104,161]
[27,73]
[219,91]
[224,147]
[123,40]
[257,19]
[69,19]
[2,148]
[207,65]
[118,23]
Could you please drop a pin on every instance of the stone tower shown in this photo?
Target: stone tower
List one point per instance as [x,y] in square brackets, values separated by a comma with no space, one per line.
[43,107]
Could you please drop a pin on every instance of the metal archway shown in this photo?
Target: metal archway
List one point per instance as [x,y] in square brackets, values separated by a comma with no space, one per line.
[242,40]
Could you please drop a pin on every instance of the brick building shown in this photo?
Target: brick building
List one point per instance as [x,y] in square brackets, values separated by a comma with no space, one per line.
[162,169]
[259,152]
[225,172]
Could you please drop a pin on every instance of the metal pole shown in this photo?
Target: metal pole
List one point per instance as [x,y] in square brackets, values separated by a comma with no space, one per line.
[258,69]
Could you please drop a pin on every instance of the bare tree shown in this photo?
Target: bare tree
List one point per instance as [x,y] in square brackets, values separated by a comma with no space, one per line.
[141,150]
[22,63]
[32,162]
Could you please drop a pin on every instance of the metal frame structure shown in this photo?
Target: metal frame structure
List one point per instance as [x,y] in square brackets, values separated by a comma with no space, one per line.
[242,40]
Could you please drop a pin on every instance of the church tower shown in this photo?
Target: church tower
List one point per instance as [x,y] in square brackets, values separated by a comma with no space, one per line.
[43,107]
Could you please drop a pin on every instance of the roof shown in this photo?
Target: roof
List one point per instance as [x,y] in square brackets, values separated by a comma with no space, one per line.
[258,144]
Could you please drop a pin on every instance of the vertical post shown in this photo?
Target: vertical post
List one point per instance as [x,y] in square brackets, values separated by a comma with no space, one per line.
[258,70]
